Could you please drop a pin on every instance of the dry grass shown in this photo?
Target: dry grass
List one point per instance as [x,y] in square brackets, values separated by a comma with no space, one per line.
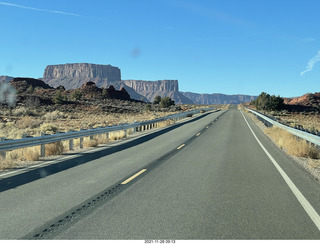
[90,143]
[309,120]
[116,135]
[16,157]
[292,144]
[25,121]
[165,123]
[32,153]
[55,148]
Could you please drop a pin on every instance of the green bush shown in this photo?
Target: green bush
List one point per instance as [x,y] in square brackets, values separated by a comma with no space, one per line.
[166,102]
[267,102]
[76,95]
[30,90]
[58,98]
[157,100]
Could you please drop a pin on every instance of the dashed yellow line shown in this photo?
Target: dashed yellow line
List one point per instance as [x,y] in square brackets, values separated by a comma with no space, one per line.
[132,177]
[181,146]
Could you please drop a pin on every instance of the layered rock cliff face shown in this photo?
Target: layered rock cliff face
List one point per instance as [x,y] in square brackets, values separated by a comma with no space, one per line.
[163,88]
[218,98]
[73,76]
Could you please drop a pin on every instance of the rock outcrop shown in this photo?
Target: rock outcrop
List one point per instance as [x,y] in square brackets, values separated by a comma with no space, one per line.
[73,76]
[163,88]
[218,98]
[6,78]
[23,83]
[133,94]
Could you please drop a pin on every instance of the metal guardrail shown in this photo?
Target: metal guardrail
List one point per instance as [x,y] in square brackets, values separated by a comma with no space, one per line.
[304,135]
[8,145]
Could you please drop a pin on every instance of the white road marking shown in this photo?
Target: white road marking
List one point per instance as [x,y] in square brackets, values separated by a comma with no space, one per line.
[303,201]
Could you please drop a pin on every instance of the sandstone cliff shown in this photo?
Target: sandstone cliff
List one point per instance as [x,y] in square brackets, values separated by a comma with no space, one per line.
[163,88]
[73,76]
[218,98]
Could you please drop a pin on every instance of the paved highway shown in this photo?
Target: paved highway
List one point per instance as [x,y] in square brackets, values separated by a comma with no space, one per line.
[212,177]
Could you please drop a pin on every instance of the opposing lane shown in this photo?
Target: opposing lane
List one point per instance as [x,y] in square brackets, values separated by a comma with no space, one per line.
[53,190]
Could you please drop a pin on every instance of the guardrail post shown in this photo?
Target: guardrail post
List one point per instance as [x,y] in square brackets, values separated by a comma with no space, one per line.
[81,140]
[42,148]
[91,137]
[3,153]
[70,142]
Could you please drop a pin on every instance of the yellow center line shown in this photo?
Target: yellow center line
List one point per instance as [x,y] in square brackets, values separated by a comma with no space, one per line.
[181,146]
[132,177]
[198,134]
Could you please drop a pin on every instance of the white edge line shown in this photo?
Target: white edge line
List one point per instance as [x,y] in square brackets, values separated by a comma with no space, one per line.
[303,201]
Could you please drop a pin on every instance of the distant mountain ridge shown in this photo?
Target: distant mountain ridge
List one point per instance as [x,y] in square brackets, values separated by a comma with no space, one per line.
[218,98]
[75,75]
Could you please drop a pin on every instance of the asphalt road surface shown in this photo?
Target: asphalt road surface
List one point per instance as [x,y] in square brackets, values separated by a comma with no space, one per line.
[216,176]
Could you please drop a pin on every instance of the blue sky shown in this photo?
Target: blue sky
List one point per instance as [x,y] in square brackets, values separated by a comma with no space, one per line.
[214,46]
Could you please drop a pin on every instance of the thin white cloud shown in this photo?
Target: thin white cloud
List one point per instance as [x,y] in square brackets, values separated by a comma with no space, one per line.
[311,63]
[39,9]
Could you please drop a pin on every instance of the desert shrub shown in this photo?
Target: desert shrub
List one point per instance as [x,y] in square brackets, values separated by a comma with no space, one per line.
[20,111]
[30,89]
[116,135]
[166,102]
[32,101]
[157,100]
[31,154]
[166,123]
[76,95]
[48,128]
[55,148]
[148,107]
[105,92]
[90,143]
[58,98]
[54,115]
[28,122]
